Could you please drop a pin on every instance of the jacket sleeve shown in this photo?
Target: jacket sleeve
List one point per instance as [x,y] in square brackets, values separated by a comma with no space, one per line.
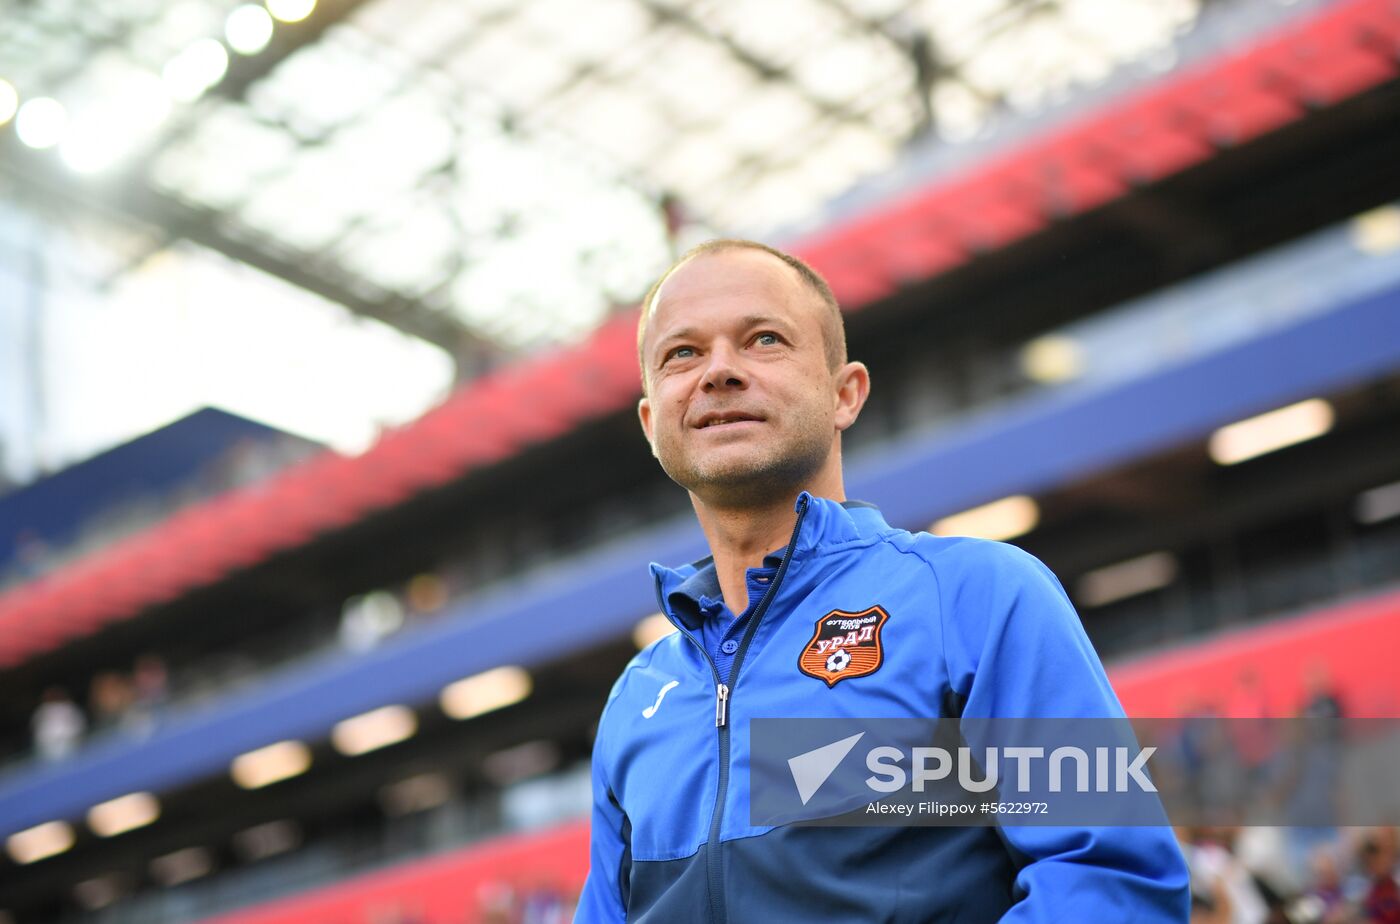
[601,901]
[1015,648]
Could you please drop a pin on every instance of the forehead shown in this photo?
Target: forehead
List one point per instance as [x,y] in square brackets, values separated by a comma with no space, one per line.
[711,285]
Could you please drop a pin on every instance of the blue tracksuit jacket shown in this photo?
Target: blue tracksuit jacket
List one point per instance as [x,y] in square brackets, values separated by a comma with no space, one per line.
[973,627]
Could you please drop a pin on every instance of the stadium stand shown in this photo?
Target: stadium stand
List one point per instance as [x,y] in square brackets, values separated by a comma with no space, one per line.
[1224,104]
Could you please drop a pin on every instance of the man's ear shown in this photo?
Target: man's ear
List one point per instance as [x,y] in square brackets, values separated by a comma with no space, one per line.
[852,388]
[644,414]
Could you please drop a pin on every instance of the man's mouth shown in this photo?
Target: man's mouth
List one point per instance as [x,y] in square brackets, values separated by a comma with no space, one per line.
[725,420]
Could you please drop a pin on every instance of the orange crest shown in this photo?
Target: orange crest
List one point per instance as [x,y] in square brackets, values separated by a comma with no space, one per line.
[845,645]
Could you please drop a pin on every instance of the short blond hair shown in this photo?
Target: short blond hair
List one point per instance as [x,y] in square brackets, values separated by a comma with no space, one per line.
[833,326]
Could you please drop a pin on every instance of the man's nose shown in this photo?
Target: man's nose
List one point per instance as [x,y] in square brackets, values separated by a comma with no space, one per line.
[724,369]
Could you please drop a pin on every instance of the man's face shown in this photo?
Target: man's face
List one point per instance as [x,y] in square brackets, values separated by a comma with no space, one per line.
[742,406]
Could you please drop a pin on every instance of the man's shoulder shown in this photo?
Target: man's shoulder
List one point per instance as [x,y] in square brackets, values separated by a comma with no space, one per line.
[962,557]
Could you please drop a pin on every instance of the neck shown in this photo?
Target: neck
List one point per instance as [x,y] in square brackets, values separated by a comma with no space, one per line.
[740,536]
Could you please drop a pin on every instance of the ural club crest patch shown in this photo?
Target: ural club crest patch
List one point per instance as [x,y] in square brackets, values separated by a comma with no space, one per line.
[844,645]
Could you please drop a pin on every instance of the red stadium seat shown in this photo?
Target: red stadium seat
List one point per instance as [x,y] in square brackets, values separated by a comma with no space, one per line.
[923,251]
[1151,137]
[1378,27]
[338,490]
[1329,60]
[853,263]
[990,210]
[464,436]
[515,402]
[1076,174]
[1236,101]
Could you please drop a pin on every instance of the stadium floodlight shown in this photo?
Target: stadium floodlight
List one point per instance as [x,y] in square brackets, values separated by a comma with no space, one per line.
[1125,579]
[373,730]
[1374,232]
[99,139]
[9,101]
[1272,431]
[652,628]
[290,10]
[195,70]
[41,122]
[248,29]
[34,844]
[1051,359]
[1001,519]
[124,813]
[485,692]
[88,150]
[271,764]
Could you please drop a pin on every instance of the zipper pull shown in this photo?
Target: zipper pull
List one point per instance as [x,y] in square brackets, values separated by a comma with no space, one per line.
[721,705]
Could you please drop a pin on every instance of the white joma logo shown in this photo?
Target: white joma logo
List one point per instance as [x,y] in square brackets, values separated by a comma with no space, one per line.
[650,711]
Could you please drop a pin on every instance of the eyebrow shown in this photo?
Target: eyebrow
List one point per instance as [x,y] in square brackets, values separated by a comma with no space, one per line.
[752,320]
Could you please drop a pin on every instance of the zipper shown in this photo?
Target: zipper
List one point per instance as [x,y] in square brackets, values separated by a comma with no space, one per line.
[721,701]
[723,696]
[723,690]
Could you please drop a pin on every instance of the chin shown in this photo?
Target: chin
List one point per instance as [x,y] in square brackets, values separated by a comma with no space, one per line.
[755,483]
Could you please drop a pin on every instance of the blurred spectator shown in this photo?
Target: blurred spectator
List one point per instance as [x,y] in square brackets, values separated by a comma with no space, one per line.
[1210,902]
[1251,729]
[1221,788]
[427,594]
[33,556]
[1378,858]
[367,619]
[540,902]
[544,904]
[1325,901]
[109,697]
[1265,851]
[1321,698]
[150,689]
[1193,742]
[1224,890]
[1312,779]
[495,904]
[58,725]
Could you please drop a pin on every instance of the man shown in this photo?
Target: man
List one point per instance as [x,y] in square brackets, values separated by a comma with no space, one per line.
[746,391]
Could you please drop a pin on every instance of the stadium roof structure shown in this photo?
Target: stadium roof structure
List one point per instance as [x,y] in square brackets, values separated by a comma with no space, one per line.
[1076,166]
[494,175]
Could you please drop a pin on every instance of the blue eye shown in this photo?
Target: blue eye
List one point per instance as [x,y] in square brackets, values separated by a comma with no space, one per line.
[772,338]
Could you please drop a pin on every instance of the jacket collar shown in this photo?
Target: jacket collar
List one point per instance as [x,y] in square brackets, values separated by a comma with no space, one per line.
[828,523]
